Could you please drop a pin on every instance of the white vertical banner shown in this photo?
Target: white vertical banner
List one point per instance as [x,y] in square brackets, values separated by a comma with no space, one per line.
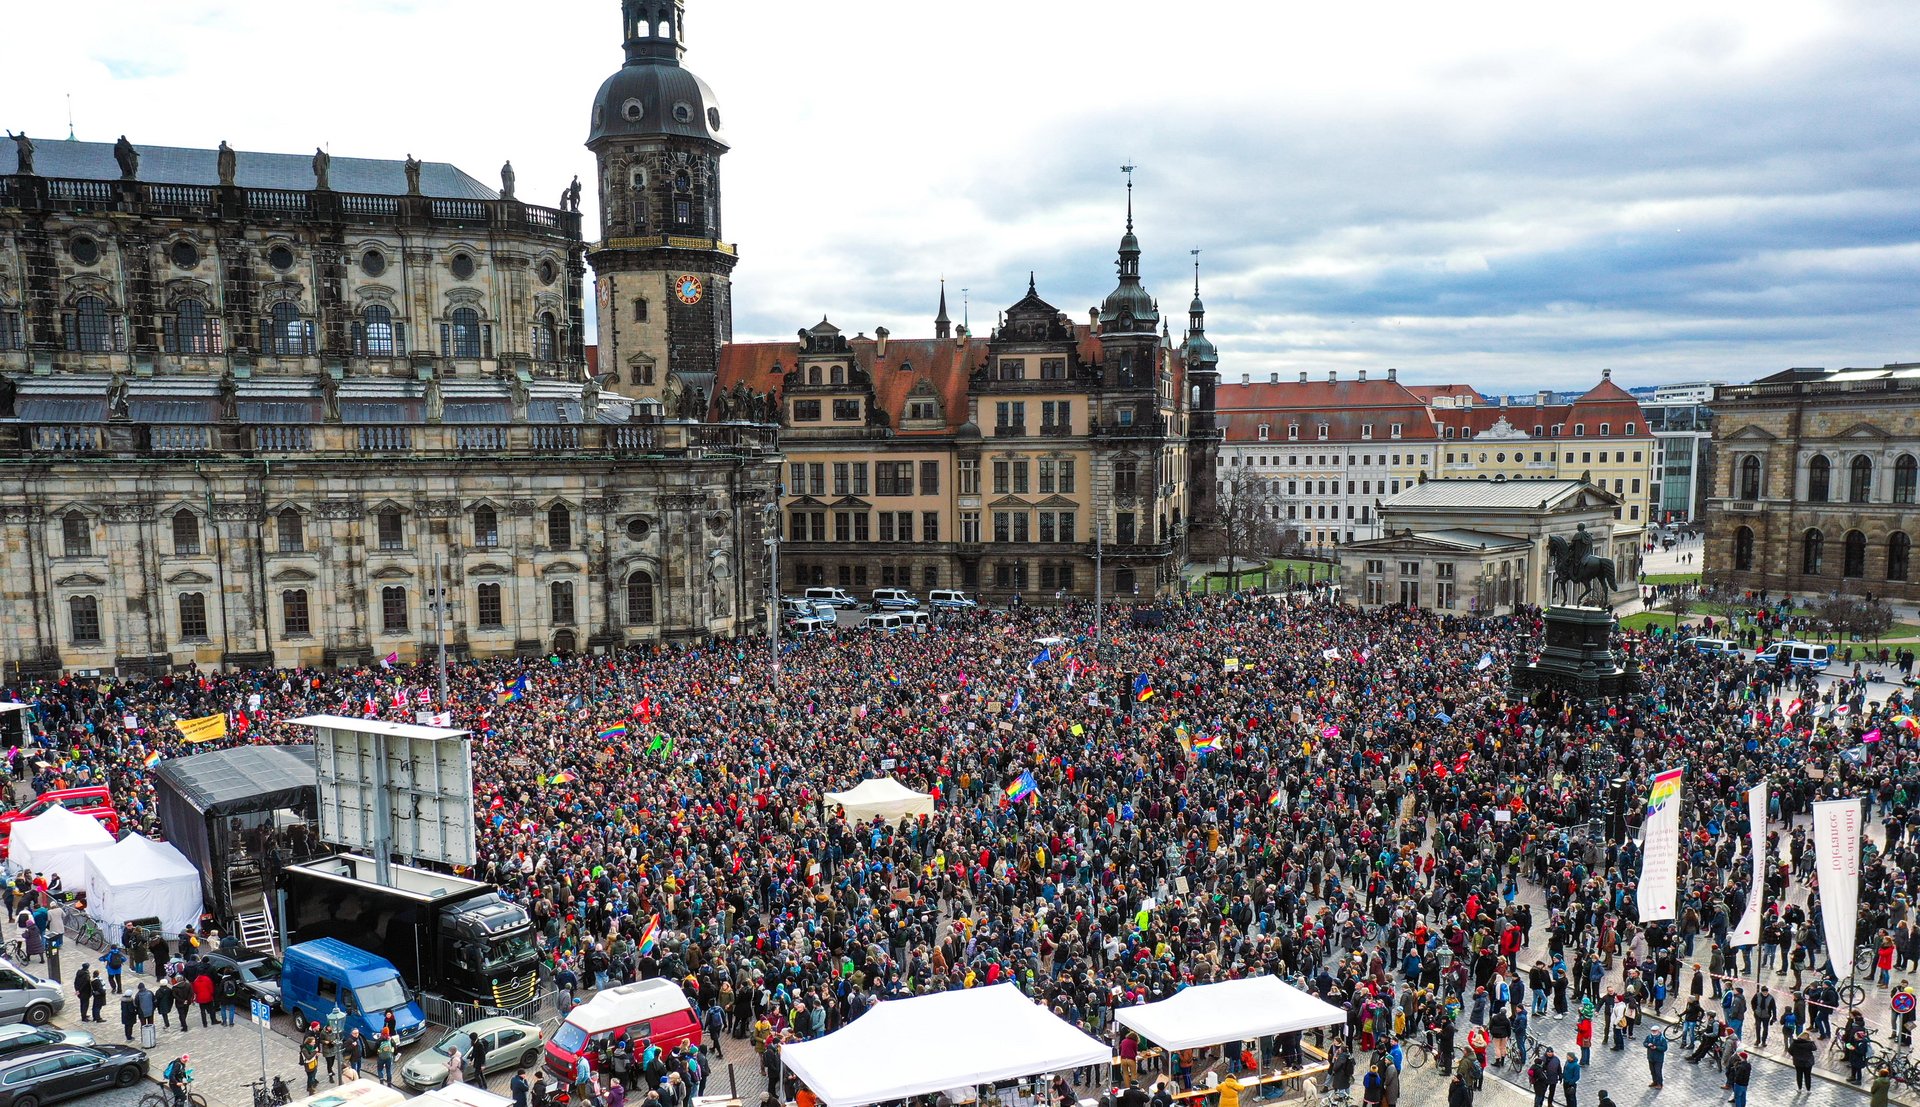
[1660,849]
[1836,858]
[1747,932]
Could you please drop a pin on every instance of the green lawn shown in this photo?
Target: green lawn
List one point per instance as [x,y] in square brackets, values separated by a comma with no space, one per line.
[1643,620]
[1673,578]
[1275,576]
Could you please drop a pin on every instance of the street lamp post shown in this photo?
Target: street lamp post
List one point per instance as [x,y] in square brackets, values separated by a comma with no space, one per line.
[773,592]
[336,1019]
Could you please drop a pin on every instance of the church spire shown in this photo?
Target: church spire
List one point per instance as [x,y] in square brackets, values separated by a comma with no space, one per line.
[1129,308]
[942,326]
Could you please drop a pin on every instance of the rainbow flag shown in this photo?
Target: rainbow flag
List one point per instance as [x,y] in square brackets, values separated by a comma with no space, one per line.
[152,759]
[515,691]
[617,730]
[1666,787]
[650,937]
[1273,800]
[1906,721]
[1204,742]
[1022,788]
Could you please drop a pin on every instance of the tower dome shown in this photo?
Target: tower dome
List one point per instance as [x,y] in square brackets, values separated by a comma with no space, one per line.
[1129,307]
[654,95]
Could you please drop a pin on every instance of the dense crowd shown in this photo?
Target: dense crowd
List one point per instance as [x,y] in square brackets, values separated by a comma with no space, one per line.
[1351,800]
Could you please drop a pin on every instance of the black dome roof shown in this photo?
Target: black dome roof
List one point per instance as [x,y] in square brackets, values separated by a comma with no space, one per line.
[652,98]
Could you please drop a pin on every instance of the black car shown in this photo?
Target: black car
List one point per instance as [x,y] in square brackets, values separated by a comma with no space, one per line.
[258,974]
[40,1076]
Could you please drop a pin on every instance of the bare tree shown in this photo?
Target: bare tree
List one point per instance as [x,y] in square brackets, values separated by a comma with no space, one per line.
[1681,605]
[1249,508]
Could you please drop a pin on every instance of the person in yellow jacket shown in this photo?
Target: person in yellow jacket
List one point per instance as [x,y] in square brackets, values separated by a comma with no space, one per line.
[1230,1089]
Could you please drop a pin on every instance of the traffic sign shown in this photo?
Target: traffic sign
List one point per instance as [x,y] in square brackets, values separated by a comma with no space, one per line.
[1903,1003]
[262,1014]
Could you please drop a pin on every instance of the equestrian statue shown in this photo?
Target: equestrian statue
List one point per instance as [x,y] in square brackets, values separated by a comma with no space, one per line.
[1575,564]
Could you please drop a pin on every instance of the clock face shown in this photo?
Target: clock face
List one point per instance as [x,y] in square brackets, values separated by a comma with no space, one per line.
[688,289]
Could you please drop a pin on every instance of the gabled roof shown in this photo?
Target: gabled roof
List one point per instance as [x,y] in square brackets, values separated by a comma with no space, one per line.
[1446,540]
[1509,495]
[943,364]
[252,169]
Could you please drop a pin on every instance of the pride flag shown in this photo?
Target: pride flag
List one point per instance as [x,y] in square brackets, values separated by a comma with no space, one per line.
[1666,787]
[650,937]
[516,691]
[1204,742]
[1273,800]
[152,759]
[1022,788]
[617,730]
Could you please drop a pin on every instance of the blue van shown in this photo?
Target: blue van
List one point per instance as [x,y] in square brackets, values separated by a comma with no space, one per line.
[318,976]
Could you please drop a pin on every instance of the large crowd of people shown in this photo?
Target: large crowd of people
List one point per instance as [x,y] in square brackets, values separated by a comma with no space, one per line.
[1352,800]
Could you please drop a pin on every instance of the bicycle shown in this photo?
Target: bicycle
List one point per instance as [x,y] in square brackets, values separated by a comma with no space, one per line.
[1330,1096]
[1417,1052]
[84,930]
[278,1095]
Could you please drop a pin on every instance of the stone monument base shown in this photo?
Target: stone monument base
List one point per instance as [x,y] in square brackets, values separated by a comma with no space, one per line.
[1578,658]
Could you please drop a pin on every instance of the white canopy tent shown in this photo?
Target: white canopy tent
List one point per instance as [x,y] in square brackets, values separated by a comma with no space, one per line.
[1228,1011]
[882,798]
[139,878]
[908,1047]
[57,842]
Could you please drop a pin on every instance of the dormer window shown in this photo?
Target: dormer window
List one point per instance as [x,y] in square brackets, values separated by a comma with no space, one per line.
[1629,430]
[1323,432]
[1265,431]
[1604,430]
[1293,432]
[1366,430]
[1579,430]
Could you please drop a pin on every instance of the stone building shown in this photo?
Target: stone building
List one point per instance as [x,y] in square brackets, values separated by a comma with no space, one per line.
[1815,482]
[1481,547]
[258,408]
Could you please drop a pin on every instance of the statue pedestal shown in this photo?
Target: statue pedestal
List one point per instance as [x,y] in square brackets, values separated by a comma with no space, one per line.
[1578,658]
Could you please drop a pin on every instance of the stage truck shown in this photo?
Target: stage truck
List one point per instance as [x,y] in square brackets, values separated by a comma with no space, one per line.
[452,937]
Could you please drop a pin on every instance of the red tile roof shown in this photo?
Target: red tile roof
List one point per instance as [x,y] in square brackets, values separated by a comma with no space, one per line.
[1429,392]
[1344,405]
[1343,426]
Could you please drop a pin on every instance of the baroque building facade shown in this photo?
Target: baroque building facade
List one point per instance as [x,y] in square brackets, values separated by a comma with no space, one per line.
[266,409]
[1815,483]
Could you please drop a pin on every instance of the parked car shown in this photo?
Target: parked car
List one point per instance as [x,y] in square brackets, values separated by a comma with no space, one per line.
[893,599]
[26,996]
[53,1073]
[1800,655]
[796,607]
[886,621]
[17,1036]
[802,628]
[93,799]
[325,975]
[831,597]
[654,1010]
[948,599]
[511,1044]
[258,973]
[1721,647]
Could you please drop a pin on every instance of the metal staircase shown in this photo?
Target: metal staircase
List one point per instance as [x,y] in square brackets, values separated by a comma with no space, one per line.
[256,930]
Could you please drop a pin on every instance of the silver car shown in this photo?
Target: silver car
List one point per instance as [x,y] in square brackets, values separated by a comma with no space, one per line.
[511,1043]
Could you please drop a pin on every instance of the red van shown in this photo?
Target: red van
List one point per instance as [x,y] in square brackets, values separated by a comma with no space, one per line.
[93,800]
[653,1011]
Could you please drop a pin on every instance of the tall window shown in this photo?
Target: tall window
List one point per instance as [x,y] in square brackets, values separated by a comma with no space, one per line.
[1813,553]
[487,608]
[561,593]
[189,331]
[376,332]
[967,476]
[465,333]
[1750,477]
[83,620]
[1853,550]
[392,531]
[1905,470]
[1819,480]
[546,338]
[1860,479]
[288,335]
[486,527]
[293,612]
[559,527]
[393,610]
[77,534]
[1899,553]
[92,329]
[1125,478]
[1743,548]
[193,615]
[640,599]
[292,530]
[186,532]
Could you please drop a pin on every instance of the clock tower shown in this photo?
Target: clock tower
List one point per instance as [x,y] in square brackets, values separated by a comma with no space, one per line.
[662,272]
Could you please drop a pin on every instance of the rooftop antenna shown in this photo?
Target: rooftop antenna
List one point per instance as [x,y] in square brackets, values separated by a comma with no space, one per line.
[1196,271]
[1128,170]
[70,137]
[964,317]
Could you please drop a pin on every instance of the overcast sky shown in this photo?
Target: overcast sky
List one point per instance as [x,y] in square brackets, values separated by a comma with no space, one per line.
[1513,195]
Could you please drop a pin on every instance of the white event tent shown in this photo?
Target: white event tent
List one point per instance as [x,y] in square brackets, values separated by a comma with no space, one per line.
[139,878]
[907,1047]
[883,798]
[57,842]
[1228,1011]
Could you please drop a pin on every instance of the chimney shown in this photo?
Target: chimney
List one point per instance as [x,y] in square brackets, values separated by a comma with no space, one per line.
[1246,378]
[1273,378]
[1363,376]
[879,342]
[1093,318]
[1393,374]
[1333,375]
[1303,376]
[1541,397]
[1606,374]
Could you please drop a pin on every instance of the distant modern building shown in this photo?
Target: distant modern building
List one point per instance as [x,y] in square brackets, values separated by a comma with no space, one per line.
[1681,419]
[1815,490]
[1472,546]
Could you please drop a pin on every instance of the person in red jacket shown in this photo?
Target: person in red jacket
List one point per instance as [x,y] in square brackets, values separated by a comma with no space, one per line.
[203,994]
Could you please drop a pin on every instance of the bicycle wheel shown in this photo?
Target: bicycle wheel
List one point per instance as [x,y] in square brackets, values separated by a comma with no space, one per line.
[1416,1056]
[1864,957]
[153,1099]
[1852,995]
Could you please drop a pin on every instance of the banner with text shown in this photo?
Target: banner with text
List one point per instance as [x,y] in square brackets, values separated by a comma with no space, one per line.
[204,729]
[1660,849]
[1747,932]
[1836,859]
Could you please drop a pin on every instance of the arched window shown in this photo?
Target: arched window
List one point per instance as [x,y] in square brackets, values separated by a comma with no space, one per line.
[77,534]
[564,643]
[837,374]
[376,331]
[1905,472]
[1860,479]
[1899,554]
[546,338]
[1853,562]
[640,599]
[393,610]
[813,374]
[1743,548]
[1819,480]
[188,330]
[486,527]
[465,333]
[1749,478]
[487,607]
[186,532]
[292,528]
[91,328]
[559,526]
[288,335]
[1813,553]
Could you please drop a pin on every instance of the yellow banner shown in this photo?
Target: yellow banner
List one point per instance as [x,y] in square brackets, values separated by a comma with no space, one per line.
[204,729]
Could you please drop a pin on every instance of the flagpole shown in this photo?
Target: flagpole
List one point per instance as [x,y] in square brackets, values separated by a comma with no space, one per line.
[440,627]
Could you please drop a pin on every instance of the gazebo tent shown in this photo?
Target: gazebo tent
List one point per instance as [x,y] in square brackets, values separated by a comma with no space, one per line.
[139,878]
[58,842]
[1228,1011]
[884,798]
[908,1047]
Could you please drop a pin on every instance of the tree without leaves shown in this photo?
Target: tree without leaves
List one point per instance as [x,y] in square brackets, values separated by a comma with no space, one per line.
[1249,509]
